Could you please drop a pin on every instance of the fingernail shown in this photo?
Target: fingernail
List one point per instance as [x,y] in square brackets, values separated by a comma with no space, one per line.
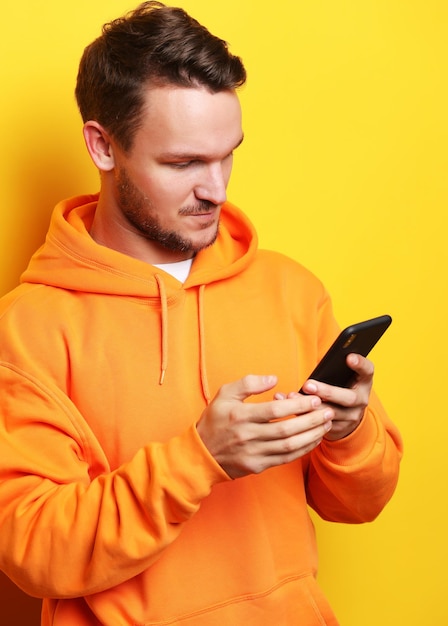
[311,387]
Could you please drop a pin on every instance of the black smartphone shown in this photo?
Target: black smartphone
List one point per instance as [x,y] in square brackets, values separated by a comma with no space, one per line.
[358,338]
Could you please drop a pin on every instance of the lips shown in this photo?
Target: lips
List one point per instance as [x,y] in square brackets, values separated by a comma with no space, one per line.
[203,216]
[207,208]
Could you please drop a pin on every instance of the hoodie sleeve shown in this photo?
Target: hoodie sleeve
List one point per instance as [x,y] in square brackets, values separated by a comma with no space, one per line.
[352,479]
[69,526]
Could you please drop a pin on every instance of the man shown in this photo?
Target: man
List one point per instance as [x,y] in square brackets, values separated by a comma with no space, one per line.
[156,462]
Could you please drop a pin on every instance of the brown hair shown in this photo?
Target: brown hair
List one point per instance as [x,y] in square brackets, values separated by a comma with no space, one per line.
[153,45]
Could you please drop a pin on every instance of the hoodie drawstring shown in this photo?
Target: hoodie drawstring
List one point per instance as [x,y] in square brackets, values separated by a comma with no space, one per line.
[164,336]
[203,363]
[164,329]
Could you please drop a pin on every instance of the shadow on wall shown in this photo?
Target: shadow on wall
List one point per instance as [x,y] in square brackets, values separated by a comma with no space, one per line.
[43,170]
[18,608]
[30,213]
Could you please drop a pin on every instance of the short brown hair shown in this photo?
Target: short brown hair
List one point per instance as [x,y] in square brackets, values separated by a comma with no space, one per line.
[152,45]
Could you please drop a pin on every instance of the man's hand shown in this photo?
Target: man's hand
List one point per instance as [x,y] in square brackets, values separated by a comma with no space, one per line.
[348,404]
[247,438]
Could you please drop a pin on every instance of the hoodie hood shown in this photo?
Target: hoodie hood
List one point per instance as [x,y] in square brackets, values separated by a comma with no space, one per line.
[71,259]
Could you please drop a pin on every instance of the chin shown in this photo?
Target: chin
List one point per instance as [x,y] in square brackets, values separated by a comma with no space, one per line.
[208,241]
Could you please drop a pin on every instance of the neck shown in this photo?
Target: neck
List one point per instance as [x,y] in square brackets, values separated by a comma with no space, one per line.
[112,232]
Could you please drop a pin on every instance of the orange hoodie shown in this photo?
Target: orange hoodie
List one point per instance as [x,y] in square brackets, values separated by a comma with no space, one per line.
[111,508]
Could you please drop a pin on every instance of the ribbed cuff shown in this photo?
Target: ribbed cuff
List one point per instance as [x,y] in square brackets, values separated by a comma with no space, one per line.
[354,448]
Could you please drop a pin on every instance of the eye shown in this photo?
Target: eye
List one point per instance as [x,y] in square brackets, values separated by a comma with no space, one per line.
[180,166]
[183,165]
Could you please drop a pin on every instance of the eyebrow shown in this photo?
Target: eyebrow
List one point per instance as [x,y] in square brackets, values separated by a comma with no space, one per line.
[191,156]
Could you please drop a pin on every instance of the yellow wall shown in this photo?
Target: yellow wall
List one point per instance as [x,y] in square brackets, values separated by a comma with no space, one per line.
[344,167]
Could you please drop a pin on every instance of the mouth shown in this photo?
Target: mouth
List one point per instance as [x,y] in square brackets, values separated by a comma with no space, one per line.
[205,210]
[204,220]
[199,215]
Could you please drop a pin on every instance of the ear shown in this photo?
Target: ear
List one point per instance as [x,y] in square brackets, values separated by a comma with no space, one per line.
[99,146]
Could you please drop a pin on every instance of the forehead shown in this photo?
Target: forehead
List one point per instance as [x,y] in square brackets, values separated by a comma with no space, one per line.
[179,120]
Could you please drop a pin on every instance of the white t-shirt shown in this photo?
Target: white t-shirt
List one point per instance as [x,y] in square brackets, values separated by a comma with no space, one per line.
[179,270]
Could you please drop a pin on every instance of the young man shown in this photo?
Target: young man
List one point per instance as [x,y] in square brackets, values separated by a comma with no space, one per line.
[156,462]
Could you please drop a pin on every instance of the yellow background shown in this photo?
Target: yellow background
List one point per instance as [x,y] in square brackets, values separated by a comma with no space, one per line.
[344,168]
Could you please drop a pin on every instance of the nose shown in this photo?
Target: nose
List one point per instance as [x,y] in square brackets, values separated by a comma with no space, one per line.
[213,184]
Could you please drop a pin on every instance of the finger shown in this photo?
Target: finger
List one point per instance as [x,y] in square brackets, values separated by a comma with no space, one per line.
[282,396]
[268,437]
[275,452]
[278,409]
[297,445]
[247,386]
[286,429]
[362,366]
[279,396]
[331,394]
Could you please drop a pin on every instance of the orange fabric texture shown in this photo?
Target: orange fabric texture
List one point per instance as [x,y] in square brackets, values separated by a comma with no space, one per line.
[111,508]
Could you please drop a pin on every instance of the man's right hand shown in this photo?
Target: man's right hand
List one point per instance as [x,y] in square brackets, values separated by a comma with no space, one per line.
[248,438]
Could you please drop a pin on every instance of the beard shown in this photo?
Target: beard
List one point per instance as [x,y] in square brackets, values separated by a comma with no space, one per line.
[140,212]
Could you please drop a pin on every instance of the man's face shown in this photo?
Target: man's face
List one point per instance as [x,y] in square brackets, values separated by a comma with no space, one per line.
[168,190]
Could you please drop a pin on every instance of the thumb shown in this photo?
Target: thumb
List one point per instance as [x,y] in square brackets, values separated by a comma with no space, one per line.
[247,386]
